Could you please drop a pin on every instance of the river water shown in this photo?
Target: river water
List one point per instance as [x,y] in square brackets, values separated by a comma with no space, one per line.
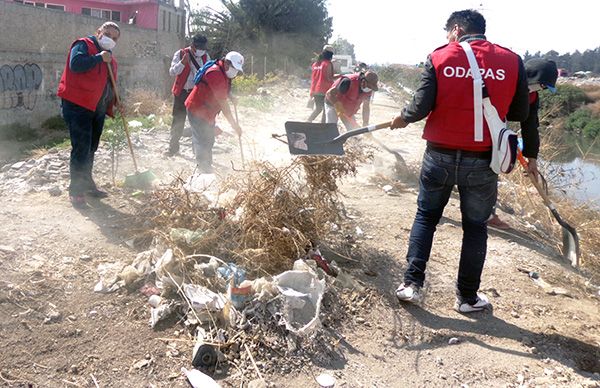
[576,175]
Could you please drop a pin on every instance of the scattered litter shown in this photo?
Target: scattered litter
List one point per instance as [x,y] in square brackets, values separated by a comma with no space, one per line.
[198,379]
[453,341]
[161,312]
[359,232]
[303,293]
[109,280]
[52,317]
[154,300]
[199,183]
[204,355]
[326,380]
[143,363]
[186,237]
[135,124]
[202,299]
[387,188]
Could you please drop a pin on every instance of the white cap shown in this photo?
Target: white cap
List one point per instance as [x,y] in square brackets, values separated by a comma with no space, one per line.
[236,59]
[329,48]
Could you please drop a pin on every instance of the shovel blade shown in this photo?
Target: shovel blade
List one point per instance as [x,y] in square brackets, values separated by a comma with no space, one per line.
[312,138]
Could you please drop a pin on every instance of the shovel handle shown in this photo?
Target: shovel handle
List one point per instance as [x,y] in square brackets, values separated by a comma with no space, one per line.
[535,182]
[125,128]
[360,131]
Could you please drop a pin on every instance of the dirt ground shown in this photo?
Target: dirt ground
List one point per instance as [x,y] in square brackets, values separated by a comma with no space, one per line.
[56,332]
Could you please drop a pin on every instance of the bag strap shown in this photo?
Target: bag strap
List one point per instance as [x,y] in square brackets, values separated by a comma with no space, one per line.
[477,91]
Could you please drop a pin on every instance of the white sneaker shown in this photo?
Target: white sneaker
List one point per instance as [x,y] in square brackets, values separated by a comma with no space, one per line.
[409,293]
[482,303]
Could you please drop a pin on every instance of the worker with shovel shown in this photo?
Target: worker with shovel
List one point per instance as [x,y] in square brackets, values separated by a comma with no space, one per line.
[541,74]
[346,96]
[459,151]
[186,62]
[87,97]
[207,99]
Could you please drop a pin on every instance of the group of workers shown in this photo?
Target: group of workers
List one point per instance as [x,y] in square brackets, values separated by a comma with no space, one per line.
[453,156]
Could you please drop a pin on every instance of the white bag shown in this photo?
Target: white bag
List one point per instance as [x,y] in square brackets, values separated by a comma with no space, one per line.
[504,140]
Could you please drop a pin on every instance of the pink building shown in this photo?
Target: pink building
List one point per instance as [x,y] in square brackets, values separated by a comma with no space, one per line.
[151,14]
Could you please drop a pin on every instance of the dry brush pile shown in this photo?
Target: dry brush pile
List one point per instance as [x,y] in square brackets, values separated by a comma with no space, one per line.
[263,218]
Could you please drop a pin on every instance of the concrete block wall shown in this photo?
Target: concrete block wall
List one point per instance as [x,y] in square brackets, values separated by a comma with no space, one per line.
[33,47]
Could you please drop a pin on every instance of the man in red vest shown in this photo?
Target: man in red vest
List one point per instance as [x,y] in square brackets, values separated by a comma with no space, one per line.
[87,97]
[347,94]
[184,66]
[455,156]
[321,80]
[206,101]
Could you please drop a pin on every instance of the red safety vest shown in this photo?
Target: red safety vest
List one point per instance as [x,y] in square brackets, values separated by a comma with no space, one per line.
[182,77]
[451,122]
[203,101]
[85,89]
[353,97]
[319,83]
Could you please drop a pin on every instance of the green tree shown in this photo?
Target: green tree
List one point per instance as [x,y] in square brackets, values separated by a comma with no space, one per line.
[280,30]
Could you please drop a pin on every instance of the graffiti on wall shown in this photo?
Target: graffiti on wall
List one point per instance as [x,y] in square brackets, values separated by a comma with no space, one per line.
[19,85]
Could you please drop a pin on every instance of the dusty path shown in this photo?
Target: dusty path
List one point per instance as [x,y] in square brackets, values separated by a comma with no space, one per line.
[50,253]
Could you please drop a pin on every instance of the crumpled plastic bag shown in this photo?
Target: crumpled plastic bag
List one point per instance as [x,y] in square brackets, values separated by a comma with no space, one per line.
[186,236]
[303,293]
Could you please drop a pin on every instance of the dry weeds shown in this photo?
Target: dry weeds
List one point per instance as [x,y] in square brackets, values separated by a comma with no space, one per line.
[517,193]
[142,102]
[274,215]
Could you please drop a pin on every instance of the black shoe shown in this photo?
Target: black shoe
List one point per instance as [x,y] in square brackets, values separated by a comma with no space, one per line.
[96,193]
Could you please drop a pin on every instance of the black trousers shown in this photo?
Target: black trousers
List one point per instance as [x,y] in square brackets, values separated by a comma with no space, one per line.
[179,115]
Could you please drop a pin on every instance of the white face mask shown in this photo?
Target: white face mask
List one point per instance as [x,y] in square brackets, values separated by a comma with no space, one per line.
[232,72]
[106,43]
[366,90]
[200,53]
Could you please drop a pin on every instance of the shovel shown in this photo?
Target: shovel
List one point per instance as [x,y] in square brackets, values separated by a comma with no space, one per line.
[570,239]
[322,139]
[139,180]
[237,120]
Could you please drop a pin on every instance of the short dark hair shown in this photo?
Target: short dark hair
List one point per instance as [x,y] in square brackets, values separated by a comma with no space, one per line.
[471,21]
[199,40]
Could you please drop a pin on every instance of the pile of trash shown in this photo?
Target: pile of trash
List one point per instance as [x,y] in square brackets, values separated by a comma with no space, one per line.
[270,324]
[267,215]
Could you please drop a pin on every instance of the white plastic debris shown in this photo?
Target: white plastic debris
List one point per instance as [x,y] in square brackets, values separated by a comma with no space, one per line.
[303,292]
[154,300]
[202,298]
[199,380]
[200,183]
[387,188]
[135,124]
[359,232]
[159,313]
[326,380]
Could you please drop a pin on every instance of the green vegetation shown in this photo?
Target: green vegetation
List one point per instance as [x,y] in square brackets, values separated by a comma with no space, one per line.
[286,32]
[245,84]
[565,101]
[55,123]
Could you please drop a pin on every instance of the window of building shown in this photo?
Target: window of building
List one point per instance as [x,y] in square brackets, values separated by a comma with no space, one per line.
[169,29]
[56,6]
[164,19]
[102,13]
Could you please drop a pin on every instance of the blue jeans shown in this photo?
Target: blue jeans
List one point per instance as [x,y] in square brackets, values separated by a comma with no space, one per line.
[85,129]
[203,139]
[477,187]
